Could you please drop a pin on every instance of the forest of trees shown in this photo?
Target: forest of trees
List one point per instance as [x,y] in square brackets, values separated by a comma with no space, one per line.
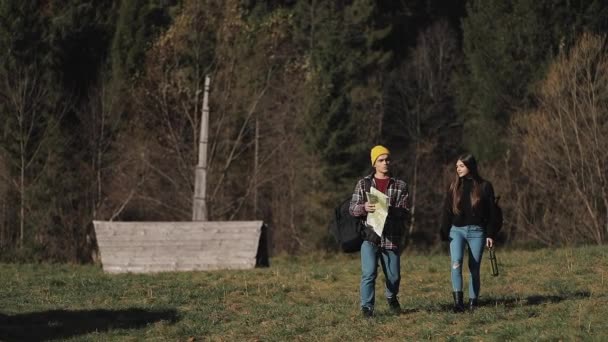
[100,105]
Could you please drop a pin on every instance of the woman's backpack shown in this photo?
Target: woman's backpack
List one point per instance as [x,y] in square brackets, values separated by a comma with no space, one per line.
[498,219]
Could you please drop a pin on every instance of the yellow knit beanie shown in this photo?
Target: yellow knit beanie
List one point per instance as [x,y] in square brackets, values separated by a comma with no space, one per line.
[377,151]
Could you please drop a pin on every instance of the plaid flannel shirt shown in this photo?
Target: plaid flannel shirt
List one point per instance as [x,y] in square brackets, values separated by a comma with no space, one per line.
[398,194]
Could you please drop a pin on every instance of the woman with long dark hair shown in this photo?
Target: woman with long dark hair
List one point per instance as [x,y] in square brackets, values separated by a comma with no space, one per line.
[468,220]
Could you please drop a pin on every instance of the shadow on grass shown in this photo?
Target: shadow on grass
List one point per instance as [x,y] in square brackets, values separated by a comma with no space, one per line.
[511,302]
[62,324]
[534,299]
[408,311]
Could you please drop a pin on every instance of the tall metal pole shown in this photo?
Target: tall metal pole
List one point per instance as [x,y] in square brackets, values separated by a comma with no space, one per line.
[199,203]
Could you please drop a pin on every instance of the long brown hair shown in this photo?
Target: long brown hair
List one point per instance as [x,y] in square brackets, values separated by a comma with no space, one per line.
[456,187]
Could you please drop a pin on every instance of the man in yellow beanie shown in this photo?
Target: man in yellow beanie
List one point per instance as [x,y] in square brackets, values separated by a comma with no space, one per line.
[383,248]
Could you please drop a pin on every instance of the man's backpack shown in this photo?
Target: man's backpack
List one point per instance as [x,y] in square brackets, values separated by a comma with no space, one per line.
[347,229]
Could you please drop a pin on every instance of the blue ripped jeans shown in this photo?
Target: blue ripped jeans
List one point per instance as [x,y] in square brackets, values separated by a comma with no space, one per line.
[473,237]
[390,262]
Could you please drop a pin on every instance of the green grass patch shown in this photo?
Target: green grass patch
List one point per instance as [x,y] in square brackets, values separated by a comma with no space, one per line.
[544,294]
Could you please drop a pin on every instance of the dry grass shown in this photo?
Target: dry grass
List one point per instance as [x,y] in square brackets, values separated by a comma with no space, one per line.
[540,295]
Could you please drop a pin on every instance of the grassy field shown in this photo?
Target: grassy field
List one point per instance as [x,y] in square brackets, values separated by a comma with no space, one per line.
[539,295]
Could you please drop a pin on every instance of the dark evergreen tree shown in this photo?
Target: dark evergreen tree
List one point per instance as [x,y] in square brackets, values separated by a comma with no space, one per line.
[31,106]
[344,44]
[138,21]
[507,46]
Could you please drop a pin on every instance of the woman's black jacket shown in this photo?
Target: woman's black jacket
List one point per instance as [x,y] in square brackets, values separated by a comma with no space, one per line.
[482,215]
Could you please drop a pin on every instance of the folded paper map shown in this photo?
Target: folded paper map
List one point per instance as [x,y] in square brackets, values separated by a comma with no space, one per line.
[378,217]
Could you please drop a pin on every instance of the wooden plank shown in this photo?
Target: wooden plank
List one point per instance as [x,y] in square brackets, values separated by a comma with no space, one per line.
[173,268]
[182,225]
[181,256]
[178,237]
[181,264]
[185,245]
[190,251]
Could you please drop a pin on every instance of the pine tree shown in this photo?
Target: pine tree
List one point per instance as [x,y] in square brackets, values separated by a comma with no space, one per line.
[507,46]
[138,21]
[30,111]
[343,43]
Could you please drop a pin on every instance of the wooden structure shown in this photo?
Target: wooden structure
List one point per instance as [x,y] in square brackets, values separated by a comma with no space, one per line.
[143,247]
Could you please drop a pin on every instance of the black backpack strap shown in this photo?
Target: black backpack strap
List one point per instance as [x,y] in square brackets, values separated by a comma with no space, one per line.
[367,185]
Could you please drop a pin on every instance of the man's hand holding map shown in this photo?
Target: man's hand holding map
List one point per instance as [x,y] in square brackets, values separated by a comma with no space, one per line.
[377,218]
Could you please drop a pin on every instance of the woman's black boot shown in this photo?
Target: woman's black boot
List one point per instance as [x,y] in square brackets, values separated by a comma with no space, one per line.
[458,301]
[472,304]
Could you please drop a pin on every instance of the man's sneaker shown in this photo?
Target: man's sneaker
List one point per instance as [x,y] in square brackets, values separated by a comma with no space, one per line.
[393,304]
[367,312]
